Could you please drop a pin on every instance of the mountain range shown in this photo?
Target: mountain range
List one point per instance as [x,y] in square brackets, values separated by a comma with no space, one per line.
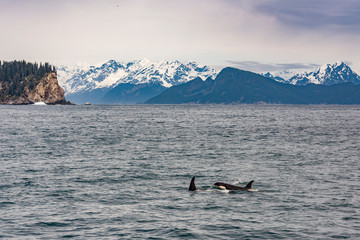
[234,86]
[133,82]
[328,74]
[126,83]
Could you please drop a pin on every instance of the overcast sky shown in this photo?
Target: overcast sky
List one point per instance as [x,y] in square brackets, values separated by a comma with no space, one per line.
[257,35]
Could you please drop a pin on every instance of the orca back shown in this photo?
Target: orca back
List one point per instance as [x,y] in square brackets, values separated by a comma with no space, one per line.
[232,187]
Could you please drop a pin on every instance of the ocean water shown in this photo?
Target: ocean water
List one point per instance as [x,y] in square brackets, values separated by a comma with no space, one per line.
[123,172]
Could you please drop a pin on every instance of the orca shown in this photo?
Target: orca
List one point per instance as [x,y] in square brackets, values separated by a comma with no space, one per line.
[224,186]
[232,187]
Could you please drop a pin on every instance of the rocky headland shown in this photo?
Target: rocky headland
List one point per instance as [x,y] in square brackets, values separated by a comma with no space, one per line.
[27,83]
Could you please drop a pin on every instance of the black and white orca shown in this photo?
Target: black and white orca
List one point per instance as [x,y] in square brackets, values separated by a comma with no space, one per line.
[224,186]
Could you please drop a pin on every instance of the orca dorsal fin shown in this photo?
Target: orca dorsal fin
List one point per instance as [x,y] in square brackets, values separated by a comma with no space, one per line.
[248,186]
[192,186]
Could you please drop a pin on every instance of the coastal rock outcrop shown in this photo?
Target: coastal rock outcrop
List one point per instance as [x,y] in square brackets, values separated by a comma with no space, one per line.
[26,83]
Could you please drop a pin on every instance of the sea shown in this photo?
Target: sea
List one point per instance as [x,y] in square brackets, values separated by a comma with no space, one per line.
[123,172]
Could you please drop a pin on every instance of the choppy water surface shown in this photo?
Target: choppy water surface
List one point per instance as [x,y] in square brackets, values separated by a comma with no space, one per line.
[122,172]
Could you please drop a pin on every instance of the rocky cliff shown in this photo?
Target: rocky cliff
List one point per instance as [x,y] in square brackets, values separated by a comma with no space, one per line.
[48,91]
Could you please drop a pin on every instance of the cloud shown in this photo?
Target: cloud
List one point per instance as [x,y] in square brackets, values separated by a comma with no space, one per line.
[333,14]
[207,31]
[265,67]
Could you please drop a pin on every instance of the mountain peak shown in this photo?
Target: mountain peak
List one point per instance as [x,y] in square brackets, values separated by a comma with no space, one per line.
[144,61]
[330,67]
[339,63]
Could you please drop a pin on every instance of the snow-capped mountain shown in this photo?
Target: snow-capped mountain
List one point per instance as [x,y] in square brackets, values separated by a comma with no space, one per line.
[281,76]
[328,74]
[112,73]
[65,73]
